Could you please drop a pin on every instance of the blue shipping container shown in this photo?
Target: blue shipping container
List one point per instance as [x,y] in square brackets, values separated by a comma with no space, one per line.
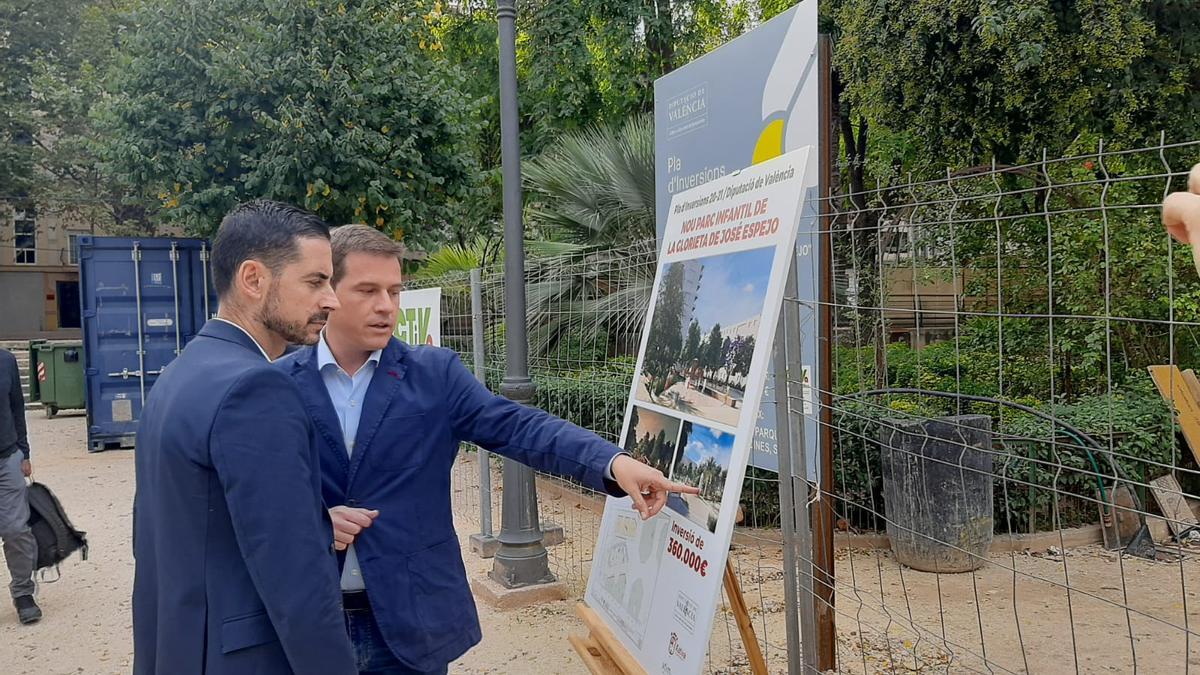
[141,302]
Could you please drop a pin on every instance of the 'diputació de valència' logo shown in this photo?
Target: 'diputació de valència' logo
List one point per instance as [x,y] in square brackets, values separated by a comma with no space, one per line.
[790,102]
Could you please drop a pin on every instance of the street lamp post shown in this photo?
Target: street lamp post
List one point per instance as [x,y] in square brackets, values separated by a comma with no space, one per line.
[521,559]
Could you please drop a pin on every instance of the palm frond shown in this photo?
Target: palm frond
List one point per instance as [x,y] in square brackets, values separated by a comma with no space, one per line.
[457,259]
[596,186]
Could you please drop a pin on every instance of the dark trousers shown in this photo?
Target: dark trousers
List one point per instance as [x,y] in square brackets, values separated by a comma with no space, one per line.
[374,656]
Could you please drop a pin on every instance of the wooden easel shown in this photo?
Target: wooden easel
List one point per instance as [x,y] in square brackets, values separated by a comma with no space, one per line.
[603,653]
[1182,391]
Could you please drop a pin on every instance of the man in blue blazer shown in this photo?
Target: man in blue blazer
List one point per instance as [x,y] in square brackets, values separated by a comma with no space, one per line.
[390,418]
[235,571]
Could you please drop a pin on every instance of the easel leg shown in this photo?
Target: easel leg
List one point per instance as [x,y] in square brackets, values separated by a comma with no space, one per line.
[758,665]
[601,651]
[603,654]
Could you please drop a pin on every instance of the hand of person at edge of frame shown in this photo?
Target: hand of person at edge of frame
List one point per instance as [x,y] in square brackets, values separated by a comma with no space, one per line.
[26,468]
[1181,211]
[348,522]
[646,485]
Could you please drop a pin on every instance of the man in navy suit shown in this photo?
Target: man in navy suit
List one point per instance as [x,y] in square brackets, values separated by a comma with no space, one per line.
[390,418]
[235,569]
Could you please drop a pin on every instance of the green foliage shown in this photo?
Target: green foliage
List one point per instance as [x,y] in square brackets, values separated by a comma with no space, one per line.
[691,347]
[584,350]
[605,292]
[591,204]
[973,366]
[665,337]
[958,83]
[760,497]
[595,188]
[738,353]
[771,8]
[455,258]
[343,110]
[713,350]
[168,113]
[1077,242]
[586,61]
[583,62]
[708,475]
[657,450]
[555,69]
[52,59]
[1133,422]
[34,34]
[593,398]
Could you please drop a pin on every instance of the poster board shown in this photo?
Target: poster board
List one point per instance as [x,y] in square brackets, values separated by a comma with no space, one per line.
[752,99]
[420,318]
[693,405]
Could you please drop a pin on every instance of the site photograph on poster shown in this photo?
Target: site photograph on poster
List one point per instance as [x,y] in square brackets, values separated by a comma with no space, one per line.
[652,438]
[706,319]
[693,407]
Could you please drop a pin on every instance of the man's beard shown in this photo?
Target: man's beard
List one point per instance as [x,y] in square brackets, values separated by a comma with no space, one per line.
[295,332]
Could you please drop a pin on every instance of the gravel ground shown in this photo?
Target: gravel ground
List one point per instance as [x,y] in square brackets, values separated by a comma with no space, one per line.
[87,626]
[890,619]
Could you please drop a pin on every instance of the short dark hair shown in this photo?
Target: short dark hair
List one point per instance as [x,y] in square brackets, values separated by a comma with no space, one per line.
[262,230]
[349,239]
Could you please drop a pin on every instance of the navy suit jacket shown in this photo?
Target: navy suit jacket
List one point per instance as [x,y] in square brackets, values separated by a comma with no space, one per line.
[235,571]
[420,404]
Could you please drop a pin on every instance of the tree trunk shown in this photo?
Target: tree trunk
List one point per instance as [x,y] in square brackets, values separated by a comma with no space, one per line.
[862,247]
[660,36]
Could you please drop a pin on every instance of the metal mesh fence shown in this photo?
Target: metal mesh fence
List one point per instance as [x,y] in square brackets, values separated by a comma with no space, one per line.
[1009,417]
[1033,298]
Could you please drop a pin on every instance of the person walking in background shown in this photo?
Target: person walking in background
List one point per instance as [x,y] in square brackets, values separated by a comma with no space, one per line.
[20,548]
[234,564]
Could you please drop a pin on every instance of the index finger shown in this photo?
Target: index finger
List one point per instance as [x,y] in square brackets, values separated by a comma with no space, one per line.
[680,487]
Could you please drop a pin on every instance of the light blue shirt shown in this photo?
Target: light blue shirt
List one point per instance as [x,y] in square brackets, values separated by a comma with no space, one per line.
[347,393]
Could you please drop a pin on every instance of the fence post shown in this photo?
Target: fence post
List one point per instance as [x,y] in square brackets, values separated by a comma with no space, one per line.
[483,544]
[800,612]
[822,512]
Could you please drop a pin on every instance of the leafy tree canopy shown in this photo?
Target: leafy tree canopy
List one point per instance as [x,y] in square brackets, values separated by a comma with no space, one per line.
[342,108]
[957,83]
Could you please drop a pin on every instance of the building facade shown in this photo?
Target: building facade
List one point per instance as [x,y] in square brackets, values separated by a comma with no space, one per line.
[39,272]
[693,274]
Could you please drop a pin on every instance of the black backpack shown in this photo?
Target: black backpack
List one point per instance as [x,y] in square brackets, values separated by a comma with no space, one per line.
[56,537]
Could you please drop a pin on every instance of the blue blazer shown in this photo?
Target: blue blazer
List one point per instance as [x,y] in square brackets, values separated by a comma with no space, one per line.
[235,571]
[420,404]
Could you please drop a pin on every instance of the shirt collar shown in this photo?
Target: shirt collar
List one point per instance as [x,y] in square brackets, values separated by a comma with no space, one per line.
[260,347]
[325,355]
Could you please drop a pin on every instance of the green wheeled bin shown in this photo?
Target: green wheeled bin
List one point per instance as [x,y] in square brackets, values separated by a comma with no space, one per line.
[56,374]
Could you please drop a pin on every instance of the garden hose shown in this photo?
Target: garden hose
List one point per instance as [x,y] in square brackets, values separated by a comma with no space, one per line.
[1080,436]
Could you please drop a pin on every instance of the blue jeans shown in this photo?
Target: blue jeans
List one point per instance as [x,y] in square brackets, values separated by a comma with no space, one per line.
[373,655]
